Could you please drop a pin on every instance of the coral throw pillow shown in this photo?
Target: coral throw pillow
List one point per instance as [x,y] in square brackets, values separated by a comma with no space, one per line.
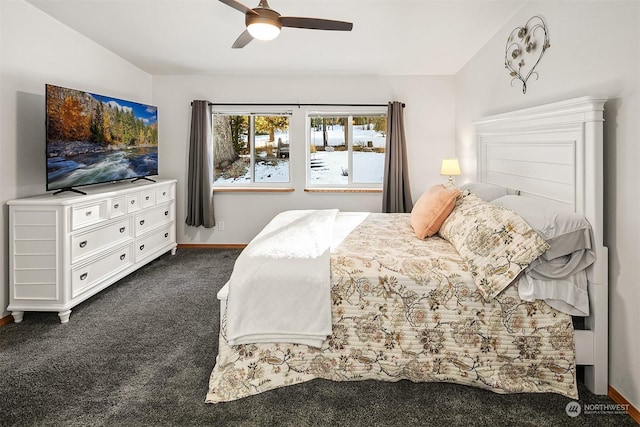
[431,209]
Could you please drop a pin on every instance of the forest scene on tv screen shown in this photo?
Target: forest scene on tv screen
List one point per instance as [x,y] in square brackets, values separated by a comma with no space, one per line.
[94,138]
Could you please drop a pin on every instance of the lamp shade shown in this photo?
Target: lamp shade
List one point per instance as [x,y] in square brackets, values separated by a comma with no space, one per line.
[450,167]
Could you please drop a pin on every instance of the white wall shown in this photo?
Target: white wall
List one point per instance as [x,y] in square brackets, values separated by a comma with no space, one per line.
[36,49]
[595,50]
[429,122]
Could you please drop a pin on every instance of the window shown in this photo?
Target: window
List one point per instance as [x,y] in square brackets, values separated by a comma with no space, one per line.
[346,150]
[250,148]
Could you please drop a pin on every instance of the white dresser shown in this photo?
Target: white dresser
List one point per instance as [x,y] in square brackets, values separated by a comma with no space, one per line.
[65,248]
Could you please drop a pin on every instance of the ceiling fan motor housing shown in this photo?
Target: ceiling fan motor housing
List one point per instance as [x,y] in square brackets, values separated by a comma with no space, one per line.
[264,16]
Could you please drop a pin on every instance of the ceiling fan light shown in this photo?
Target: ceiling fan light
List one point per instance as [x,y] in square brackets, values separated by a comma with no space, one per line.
[263,31]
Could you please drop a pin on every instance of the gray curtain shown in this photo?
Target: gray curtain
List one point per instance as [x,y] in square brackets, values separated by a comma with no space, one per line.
[396,194]
[200,174]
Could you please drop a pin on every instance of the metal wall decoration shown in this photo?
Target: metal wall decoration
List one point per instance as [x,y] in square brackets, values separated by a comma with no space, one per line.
[524,49]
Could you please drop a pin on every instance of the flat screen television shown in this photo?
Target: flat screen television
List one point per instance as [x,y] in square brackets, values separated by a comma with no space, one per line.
[94,139]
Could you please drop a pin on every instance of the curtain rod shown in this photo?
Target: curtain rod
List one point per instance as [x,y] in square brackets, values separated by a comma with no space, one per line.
[294,105]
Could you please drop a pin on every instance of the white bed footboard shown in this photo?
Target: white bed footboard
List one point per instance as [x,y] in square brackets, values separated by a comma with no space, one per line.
[555,152]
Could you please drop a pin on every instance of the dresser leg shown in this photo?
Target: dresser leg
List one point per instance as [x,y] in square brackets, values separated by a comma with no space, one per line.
[64,316]
[17,316]
[173,251]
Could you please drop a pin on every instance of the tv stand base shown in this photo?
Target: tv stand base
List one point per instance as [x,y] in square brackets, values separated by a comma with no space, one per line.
[70,189]
[144,178]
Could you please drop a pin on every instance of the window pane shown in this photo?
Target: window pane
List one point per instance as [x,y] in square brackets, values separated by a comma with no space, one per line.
[231,158]
[271,161]
[329,150]
[368,149]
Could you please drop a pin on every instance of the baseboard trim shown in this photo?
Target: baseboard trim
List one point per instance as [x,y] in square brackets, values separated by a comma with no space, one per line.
[212,246]
[620,400]
[6,320]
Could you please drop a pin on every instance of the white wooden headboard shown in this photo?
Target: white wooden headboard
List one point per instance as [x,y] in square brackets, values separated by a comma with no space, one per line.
[555,152]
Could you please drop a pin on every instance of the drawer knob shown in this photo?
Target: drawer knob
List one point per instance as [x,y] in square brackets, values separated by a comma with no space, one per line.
[83,276]
[123,256]
[142,222]
[122,229]
[83,243]
[164,193]
[166,213]
[133,202]
[88,213]
[166,234]
[116,206]
[141,247]
[146,198]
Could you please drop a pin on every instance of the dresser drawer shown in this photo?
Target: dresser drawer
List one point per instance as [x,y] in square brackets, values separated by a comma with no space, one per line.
[152,218]
[163,194]
[154,241]
[148,198]
[85,215]
[86,244]
[85,277]
[117,207]
[133,202]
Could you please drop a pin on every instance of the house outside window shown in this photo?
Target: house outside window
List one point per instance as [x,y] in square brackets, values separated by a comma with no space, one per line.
[346,150]
[251,148]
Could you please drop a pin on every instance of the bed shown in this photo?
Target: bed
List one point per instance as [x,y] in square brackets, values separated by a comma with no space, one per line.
[406,308]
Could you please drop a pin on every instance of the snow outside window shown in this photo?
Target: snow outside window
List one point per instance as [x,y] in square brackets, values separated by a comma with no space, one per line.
[250,148]
[346,150]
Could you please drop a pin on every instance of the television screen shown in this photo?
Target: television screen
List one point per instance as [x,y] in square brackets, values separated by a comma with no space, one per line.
[93,139]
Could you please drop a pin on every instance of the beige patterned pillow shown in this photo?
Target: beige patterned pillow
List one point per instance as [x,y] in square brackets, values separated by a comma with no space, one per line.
[495,243]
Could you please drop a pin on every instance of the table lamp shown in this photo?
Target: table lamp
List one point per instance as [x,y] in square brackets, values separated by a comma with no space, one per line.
[450,168]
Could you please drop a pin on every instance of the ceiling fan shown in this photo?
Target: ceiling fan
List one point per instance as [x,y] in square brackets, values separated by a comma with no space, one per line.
[264,23]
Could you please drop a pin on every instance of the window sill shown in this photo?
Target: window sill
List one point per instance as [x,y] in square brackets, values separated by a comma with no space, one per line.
[343,190]
[252,190]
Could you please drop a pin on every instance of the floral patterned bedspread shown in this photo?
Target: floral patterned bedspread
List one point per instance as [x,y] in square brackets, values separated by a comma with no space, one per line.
[405,308]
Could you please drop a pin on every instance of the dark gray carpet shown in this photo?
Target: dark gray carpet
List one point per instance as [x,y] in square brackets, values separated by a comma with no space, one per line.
[140,353]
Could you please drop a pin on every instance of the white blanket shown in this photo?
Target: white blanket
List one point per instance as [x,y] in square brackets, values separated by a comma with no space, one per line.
[280,288]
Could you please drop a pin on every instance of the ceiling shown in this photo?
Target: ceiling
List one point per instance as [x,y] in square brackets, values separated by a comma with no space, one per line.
[389,37]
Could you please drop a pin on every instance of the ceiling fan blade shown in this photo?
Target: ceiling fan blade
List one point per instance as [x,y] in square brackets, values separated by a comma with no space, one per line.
[243,40]
[239,6]
[315,23]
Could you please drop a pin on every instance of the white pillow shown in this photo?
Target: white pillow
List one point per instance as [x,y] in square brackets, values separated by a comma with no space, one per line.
[485,191]
[564,230]
[568,295]
[558,276]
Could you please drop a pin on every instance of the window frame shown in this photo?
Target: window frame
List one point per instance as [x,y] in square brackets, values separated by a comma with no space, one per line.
[252,185]
[349,113]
